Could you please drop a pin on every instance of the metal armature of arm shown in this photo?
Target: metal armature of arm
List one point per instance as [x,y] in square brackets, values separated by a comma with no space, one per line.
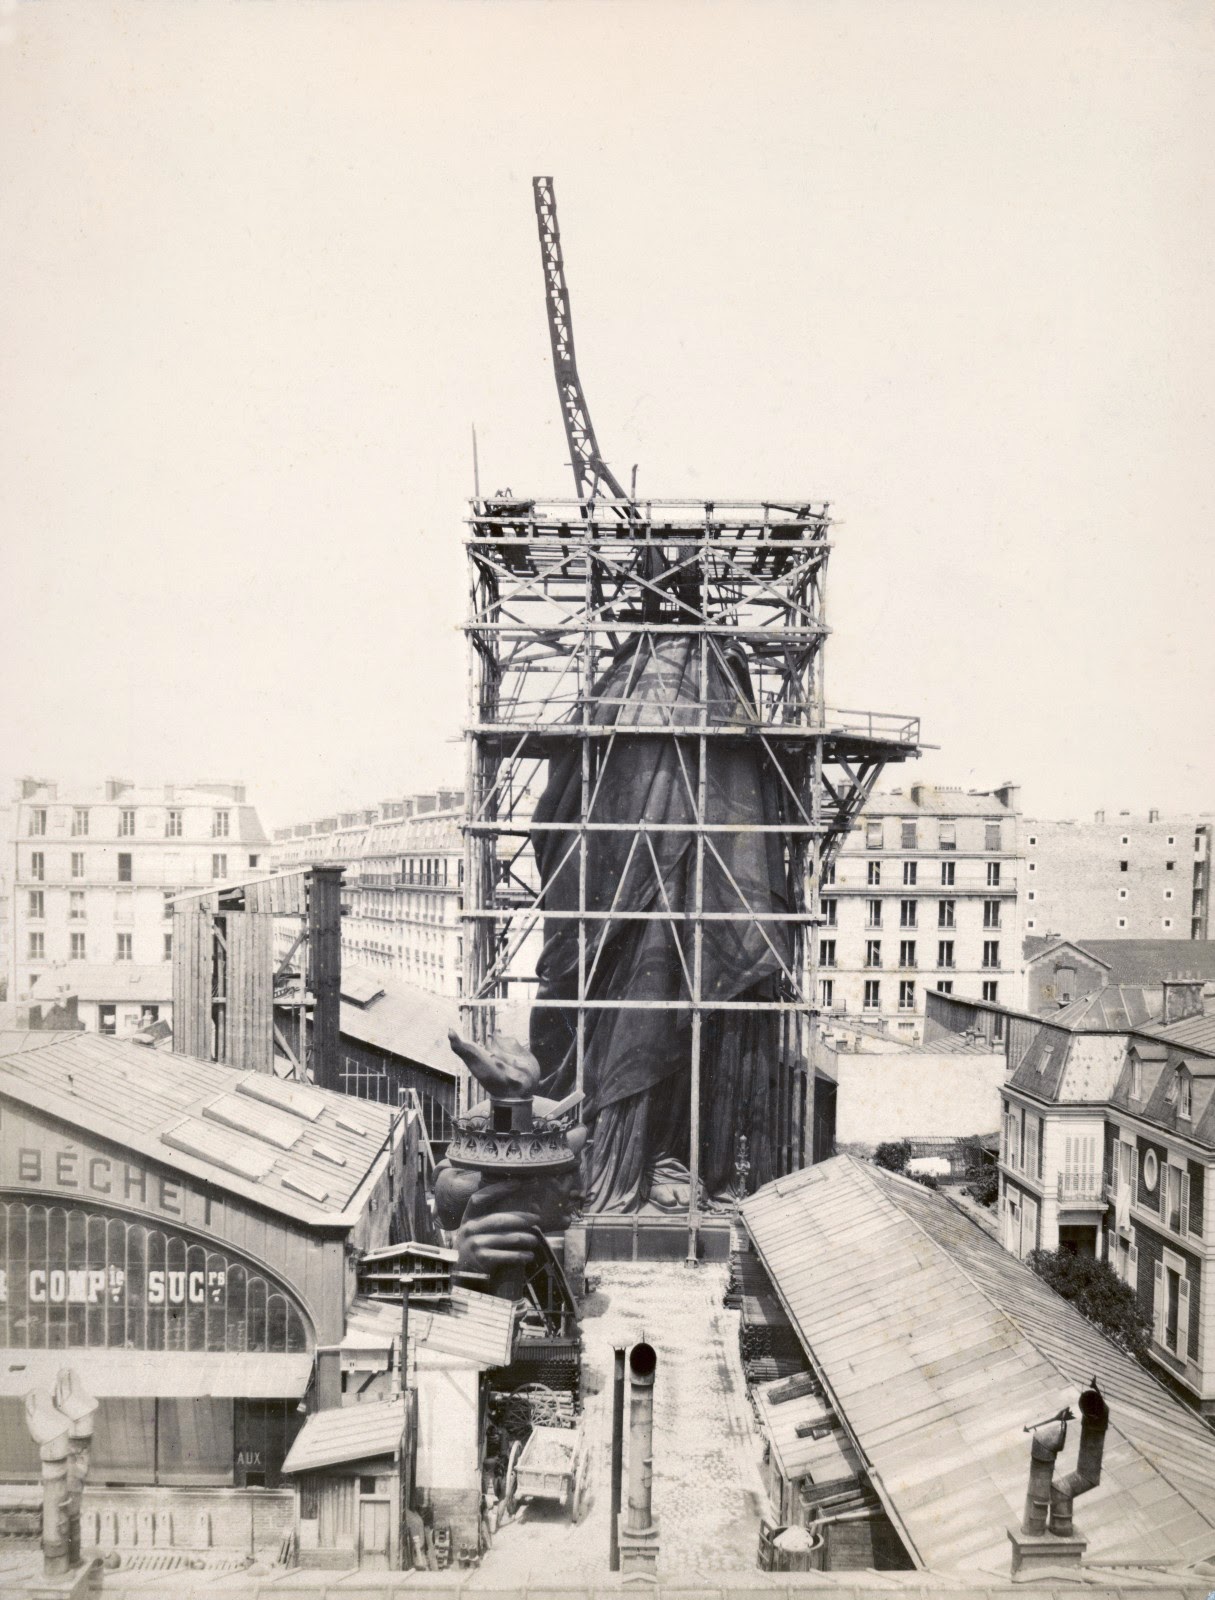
[591,473]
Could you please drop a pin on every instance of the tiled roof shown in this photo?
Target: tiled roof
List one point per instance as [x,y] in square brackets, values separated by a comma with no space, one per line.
[117,980]
[347,1433]
[936,1347]
[1141,962]
[298,1150]
[1194,1033]
[1149,961]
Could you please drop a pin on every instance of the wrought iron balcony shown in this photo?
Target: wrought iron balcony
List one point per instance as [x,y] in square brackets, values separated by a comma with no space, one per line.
[1081,1186]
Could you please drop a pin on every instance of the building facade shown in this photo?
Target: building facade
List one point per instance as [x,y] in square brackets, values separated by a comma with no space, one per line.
[1107,1150]
[185,1236]
[923,895]
[1118,877]
[94,872]
[401,894]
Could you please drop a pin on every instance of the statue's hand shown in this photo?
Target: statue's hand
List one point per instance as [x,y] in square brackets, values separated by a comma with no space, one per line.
[507,1069]
[491,1238]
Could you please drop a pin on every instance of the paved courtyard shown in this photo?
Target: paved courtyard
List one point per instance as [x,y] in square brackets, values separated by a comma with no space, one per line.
[707,1487]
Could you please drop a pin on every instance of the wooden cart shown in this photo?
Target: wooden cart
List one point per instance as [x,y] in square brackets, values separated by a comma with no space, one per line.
[552,1465]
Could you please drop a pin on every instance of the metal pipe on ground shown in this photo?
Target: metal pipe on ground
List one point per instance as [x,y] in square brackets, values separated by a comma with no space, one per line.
[617,1455]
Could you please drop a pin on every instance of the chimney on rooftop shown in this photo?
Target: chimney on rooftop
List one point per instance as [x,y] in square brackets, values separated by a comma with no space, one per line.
[1153,815]
[28,787]
[116,786]
[1099,816]
[1047,1537]
[1009,795]
[1182,997]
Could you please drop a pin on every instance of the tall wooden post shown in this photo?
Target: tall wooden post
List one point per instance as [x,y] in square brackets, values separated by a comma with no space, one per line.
[325,971]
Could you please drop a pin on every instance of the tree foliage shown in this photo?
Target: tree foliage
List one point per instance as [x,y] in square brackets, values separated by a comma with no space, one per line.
[894,1155]
[1098,1293]
[985,1187]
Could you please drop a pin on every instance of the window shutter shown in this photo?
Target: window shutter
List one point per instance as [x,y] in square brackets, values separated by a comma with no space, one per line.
[1134,1175]
[1185,1203]
[1183,1319]
[1158,1302]
[1132,1268]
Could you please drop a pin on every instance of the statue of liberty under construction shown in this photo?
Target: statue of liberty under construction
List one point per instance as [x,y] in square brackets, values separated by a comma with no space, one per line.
[655,788]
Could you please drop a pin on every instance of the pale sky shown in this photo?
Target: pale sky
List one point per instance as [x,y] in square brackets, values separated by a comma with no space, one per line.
[262,265]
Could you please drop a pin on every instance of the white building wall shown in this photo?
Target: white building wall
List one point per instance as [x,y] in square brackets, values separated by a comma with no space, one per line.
[100,866]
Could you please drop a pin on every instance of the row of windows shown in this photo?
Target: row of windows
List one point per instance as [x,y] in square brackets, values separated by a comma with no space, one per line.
[946,959]
[909,913]
[78,947]
[125,868]
[911,873]
[220,823]
[910,836]
[907,953]
[907,992]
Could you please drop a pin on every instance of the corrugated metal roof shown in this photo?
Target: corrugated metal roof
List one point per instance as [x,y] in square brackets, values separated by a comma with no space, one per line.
[347,1433]
[473,1327]
[158,1104]
[406,1022]
[137,1374]
[113,981]
[790,1426]
[937,1347]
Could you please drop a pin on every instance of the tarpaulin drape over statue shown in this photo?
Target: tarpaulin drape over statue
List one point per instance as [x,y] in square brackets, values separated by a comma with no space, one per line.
[637,1063]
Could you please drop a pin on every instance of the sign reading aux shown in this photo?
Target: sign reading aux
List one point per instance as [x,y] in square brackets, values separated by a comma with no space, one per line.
[74,1277]
[78,1287]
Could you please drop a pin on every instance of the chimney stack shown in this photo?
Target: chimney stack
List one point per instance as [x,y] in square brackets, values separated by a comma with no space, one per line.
[1047,1538]
[1182,997]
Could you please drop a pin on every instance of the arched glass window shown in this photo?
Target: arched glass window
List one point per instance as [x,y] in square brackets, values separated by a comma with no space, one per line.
[79,1279]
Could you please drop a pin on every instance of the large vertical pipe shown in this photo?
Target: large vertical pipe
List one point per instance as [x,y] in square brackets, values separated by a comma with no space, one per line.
[643,1359]
[617,1455]
[325,971]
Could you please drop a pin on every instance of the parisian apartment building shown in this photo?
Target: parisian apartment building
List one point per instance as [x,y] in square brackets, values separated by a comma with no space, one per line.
[401,893]
[922,895]
[93,871]
[1119,876]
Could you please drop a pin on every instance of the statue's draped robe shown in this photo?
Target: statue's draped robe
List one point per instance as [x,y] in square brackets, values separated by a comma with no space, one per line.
[637,1063]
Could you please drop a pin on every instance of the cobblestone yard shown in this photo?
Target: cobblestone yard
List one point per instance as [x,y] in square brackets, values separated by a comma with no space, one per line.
[707,1487]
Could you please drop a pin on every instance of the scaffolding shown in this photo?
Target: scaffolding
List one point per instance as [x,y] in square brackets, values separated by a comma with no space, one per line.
[560,592]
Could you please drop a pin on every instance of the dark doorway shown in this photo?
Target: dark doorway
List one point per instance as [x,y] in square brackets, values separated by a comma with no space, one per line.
[1078,1241]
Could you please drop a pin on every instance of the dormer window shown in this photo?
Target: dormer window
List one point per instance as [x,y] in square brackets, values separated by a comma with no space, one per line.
[1185,1094]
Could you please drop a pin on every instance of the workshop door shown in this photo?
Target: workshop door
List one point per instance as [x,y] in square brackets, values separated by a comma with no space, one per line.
[374,1522]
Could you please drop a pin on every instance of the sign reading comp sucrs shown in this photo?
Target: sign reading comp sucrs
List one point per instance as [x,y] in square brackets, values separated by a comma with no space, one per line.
[74,1276]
